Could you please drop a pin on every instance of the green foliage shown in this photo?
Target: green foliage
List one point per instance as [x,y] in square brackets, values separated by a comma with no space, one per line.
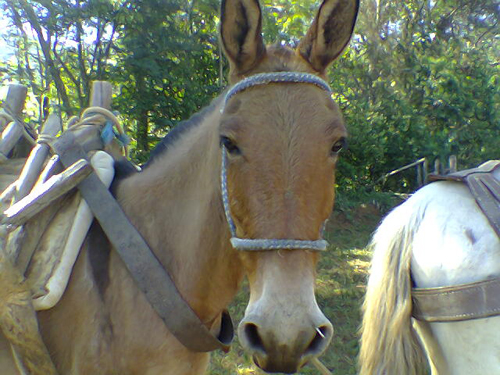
[167,65]
[418,81]
[421,79]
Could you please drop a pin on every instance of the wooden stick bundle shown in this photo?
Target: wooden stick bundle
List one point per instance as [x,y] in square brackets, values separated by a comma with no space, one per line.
[40,198]
[33,193]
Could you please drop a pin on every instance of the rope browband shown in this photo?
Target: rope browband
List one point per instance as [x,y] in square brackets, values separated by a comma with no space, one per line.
[277,77]
[266,243]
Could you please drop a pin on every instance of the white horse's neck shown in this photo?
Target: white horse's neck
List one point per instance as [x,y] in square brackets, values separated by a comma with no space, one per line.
[454,244]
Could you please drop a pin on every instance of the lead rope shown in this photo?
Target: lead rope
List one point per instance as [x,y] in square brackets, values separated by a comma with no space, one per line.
[321,367]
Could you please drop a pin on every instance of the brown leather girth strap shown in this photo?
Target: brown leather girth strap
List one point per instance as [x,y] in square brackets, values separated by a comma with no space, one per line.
[150,276]
[474,300]
[457,302]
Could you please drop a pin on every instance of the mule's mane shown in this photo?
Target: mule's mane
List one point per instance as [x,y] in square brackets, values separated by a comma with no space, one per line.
[178,131]
[124,169]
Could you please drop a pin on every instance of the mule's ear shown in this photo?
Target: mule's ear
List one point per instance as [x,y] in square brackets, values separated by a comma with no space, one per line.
[241,33]
[330,32]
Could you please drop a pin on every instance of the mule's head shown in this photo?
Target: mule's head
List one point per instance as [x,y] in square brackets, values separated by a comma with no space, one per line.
[281,142]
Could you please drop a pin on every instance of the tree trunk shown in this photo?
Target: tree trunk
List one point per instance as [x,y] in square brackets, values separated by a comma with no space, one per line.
[142,129]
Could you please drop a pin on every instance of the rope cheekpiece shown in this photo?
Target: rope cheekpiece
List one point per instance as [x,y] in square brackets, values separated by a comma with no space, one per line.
[266,244]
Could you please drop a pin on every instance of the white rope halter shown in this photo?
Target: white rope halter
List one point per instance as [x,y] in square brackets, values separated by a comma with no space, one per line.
[265,243]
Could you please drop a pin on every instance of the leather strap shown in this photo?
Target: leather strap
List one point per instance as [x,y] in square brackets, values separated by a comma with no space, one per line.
[150,276]
[458,302]
[474,300]
[484,188]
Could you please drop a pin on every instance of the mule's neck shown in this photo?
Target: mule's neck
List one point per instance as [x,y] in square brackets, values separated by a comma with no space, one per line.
[176,205]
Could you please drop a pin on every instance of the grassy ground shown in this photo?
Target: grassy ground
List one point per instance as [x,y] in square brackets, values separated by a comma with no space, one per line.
[341,278]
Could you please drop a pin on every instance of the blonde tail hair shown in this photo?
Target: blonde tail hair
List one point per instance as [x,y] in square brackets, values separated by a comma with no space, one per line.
[389,344]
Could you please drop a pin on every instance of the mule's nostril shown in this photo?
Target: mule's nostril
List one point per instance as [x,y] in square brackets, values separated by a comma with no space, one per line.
[252,335]
[320,339]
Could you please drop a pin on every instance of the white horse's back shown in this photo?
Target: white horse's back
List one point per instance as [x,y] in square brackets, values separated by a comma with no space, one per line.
[443,236]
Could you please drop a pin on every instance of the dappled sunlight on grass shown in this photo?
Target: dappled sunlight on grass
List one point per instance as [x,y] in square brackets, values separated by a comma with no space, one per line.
[248,371]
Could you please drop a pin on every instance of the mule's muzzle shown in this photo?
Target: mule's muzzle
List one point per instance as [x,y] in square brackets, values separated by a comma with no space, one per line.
[284,353]
[272,367]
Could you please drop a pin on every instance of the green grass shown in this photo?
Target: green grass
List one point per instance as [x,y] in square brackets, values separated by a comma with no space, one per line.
[342,274]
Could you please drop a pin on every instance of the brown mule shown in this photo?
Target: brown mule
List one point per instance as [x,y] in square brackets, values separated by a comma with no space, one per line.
[282,141]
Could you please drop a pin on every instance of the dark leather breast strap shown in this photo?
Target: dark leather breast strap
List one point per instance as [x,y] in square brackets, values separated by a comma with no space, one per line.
[474,300]
[150,276]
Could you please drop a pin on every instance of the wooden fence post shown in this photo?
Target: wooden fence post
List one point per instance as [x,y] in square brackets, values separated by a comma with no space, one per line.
[425,168]
[437,166]
[420,180]
[452,163]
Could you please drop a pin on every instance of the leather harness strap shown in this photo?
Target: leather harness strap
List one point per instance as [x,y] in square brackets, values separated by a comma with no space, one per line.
[457,302]
[484,188]
[150,276]
[474,300]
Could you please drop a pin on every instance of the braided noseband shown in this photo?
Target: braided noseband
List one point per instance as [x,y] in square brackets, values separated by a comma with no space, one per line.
[266,244]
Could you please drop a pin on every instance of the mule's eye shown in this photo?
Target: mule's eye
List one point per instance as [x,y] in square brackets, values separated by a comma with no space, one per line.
[229,145]
[339,146]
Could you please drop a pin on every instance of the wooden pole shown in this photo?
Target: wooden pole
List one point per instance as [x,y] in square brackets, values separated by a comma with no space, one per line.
[15,99]
[101,94]
[411,165]
[10,136]
[53,166]
[420,180]
[16,96]
[37,157]
[39,199]
[437,166]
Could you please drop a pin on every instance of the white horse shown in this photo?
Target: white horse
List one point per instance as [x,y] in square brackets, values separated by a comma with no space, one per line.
[437,238]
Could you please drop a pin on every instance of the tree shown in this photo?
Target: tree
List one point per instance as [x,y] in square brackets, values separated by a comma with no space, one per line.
[412,85]
[71,47]
[421,78]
